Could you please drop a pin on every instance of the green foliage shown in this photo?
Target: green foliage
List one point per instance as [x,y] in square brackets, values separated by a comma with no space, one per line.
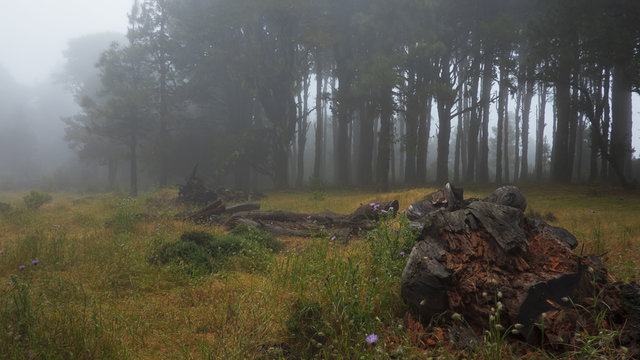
[307,331]
[256,235]
[199,253]
[34,200]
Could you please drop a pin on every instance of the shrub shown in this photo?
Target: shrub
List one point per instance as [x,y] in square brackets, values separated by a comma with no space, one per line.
[34,200]
[199,253]
[256,235]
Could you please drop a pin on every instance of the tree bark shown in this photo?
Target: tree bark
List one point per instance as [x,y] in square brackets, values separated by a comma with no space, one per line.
[560,171]
[444,101]
[424,129]
[487,80]
[133,158]
[621,149]
[500,129]
[384,142]
[317,164]
[540,124]
[526,109]
[365,153]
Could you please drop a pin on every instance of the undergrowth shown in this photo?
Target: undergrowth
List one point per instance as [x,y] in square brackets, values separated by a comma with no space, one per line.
[123,279]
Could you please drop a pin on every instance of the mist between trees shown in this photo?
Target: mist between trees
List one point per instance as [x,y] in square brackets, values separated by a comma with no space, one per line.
[287,93]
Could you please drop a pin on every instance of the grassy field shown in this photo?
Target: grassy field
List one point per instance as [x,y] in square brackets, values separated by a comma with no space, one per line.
[83,277]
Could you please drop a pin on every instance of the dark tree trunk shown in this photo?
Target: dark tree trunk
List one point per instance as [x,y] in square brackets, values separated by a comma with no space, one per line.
[604,170]
[620,148]
[500,129]
[317,164]
[444,100]
[573,131]
[560,171]
[487,80]
[506,134]
[303,127]
[458,145]
[411,131]
[542,104]
[384,142]
[424,129]
[516,161]
[365,153]
[526,109]
[474,125]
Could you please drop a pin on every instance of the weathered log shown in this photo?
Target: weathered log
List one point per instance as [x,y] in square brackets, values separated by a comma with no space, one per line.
[241,207]
[204,215]
[488,257]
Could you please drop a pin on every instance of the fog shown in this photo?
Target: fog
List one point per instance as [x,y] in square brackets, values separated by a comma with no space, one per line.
[33,37]
[48,50]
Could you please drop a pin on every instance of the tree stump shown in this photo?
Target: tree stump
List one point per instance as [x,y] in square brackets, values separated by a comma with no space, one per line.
[485,255]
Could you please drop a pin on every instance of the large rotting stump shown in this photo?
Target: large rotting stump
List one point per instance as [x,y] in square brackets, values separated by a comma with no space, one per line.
[482,256]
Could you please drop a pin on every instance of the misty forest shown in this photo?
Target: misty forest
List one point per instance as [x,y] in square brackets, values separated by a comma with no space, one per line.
[292,179]
[272,94]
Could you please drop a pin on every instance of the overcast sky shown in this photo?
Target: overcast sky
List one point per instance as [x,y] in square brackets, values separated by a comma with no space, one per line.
[33,33]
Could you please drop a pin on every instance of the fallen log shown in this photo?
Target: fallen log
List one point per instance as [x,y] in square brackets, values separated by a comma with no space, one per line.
[486,260]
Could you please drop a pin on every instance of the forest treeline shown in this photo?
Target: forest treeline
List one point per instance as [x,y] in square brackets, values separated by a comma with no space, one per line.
[243,88]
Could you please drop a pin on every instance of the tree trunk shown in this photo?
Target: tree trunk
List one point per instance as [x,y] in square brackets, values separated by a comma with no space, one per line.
[540,131]
[604,170]
[487,80]
[365,153]
[458,146]
[302,132]
[620,148]
[424,129]
[317,164]
[411,131]
[384,142]
[500,129]
[474,125]
[506,132]
[560,171]
[526,109]
[573,131]
[444,101]
[516,161]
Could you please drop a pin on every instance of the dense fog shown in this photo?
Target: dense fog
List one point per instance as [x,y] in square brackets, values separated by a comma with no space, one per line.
[134,95]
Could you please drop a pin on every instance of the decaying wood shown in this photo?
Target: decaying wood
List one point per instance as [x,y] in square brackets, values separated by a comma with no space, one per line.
[485,255]
[288,223]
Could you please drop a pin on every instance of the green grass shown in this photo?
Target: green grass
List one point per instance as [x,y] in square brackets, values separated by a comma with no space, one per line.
[101,291]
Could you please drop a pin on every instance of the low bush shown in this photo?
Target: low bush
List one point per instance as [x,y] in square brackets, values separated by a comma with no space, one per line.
[200,253]
[34,200]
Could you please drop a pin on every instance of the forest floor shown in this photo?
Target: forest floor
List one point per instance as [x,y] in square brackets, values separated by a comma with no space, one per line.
[101,289]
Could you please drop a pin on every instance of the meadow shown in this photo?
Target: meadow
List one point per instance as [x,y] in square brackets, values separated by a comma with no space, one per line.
[104,276]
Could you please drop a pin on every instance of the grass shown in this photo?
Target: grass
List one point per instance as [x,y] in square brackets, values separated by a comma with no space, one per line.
[96,294]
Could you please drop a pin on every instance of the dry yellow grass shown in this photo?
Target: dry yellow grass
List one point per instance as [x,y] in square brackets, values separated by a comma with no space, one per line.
[90,270]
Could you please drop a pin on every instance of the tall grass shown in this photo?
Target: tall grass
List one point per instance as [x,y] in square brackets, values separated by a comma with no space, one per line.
[95,294]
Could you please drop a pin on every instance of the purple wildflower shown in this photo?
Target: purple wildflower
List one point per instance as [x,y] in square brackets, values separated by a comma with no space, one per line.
[333,238]
[396,231]
[391,208]
[372,204]
[371,338]
[35,262]
[404,211]
[21,267]
[308,217]
[9,283]
[593,211]
[383,211]
[376,207]
[401,253]
[420,228]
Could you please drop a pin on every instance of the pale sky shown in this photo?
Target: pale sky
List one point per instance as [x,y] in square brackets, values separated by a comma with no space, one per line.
[33,33]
